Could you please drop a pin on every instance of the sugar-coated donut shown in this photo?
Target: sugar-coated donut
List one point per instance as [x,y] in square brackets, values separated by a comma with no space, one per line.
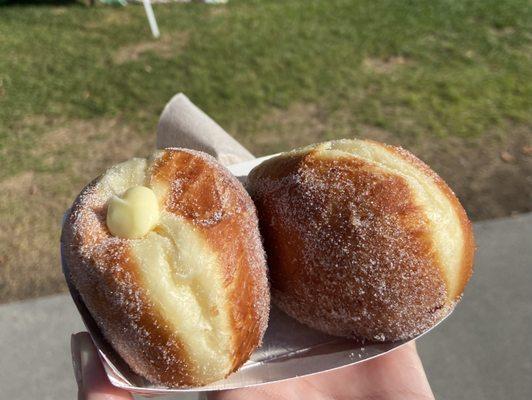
[181,291]
[363,239]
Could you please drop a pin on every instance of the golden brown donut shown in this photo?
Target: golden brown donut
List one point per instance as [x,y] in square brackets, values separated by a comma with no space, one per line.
[187,303]
[363,239]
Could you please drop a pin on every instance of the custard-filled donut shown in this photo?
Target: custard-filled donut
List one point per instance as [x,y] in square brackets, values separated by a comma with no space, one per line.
[363,239]
[167,257]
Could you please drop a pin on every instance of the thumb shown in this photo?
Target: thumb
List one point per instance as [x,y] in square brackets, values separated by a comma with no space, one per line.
[90,375]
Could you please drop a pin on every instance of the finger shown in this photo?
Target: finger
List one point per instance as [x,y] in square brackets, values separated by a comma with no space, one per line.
[279,391]
[399,375]
[396,375]
[90,375]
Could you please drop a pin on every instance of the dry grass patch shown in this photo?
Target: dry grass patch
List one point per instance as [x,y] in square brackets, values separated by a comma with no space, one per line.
[219,9]
[385,66]
[503,32]
[167,46]
[108,18]
[487,185]
[21,183]
[300,124]
[32,204]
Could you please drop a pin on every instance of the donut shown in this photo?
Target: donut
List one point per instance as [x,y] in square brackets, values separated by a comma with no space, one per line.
[363,239]
[166,255]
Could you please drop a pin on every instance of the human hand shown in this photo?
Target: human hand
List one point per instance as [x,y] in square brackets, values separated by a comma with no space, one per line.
[398,375]
[88,370]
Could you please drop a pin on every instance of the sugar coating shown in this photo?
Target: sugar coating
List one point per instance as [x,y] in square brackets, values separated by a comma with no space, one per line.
[350,252]
[106,275]
[228,203]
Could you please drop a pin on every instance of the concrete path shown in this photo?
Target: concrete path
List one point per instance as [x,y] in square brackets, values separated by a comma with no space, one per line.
[483,351]
[35,348]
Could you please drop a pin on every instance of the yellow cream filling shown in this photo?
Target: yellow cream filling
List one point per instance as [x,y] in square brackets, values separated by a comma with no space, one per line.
[134,214]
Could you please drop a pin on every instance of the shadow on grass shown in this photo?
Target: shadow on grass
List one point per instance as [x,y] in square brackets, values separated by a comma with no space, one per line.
[4,3]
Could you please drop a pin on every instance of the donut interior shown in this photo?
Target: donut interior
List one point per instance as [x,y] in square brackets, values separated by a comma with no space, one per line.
[179,272]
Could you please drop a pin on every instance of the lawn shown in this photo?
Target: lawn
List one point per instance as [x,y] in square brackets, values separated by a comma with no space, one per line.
[82,87]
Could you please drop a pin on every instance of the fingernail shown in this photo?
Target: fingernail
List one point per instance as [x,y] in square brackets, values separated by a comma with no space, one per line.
[86,355]
[76,360]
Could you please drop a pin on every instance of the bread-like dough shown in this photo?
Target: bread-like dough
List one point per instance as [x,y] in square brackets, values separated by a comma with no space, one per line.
[182,296]
[363,239]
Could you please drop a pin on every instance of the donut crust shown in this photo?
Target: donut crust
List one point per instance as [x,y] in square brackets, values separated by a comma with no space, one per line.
[351,250]
[105,271]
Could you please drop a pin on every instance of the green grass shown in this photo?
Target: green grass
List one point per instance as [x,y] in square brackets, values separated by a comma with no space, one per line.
[467,66]
[81,88]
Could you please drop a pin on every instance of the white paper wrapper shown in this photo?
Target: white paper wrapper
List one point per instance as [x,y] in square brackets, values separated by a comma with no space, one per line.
[182,124]
[289,349]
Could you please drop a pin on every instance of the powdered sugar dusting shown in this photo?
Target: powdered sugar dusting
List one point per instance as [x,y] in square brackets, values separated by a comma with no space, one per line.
[210,197]
[349,251]
[105,273]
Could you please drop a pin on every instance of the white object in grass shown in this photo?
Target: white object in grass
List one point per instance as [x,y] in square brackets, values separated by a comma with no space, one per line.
[151,18]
